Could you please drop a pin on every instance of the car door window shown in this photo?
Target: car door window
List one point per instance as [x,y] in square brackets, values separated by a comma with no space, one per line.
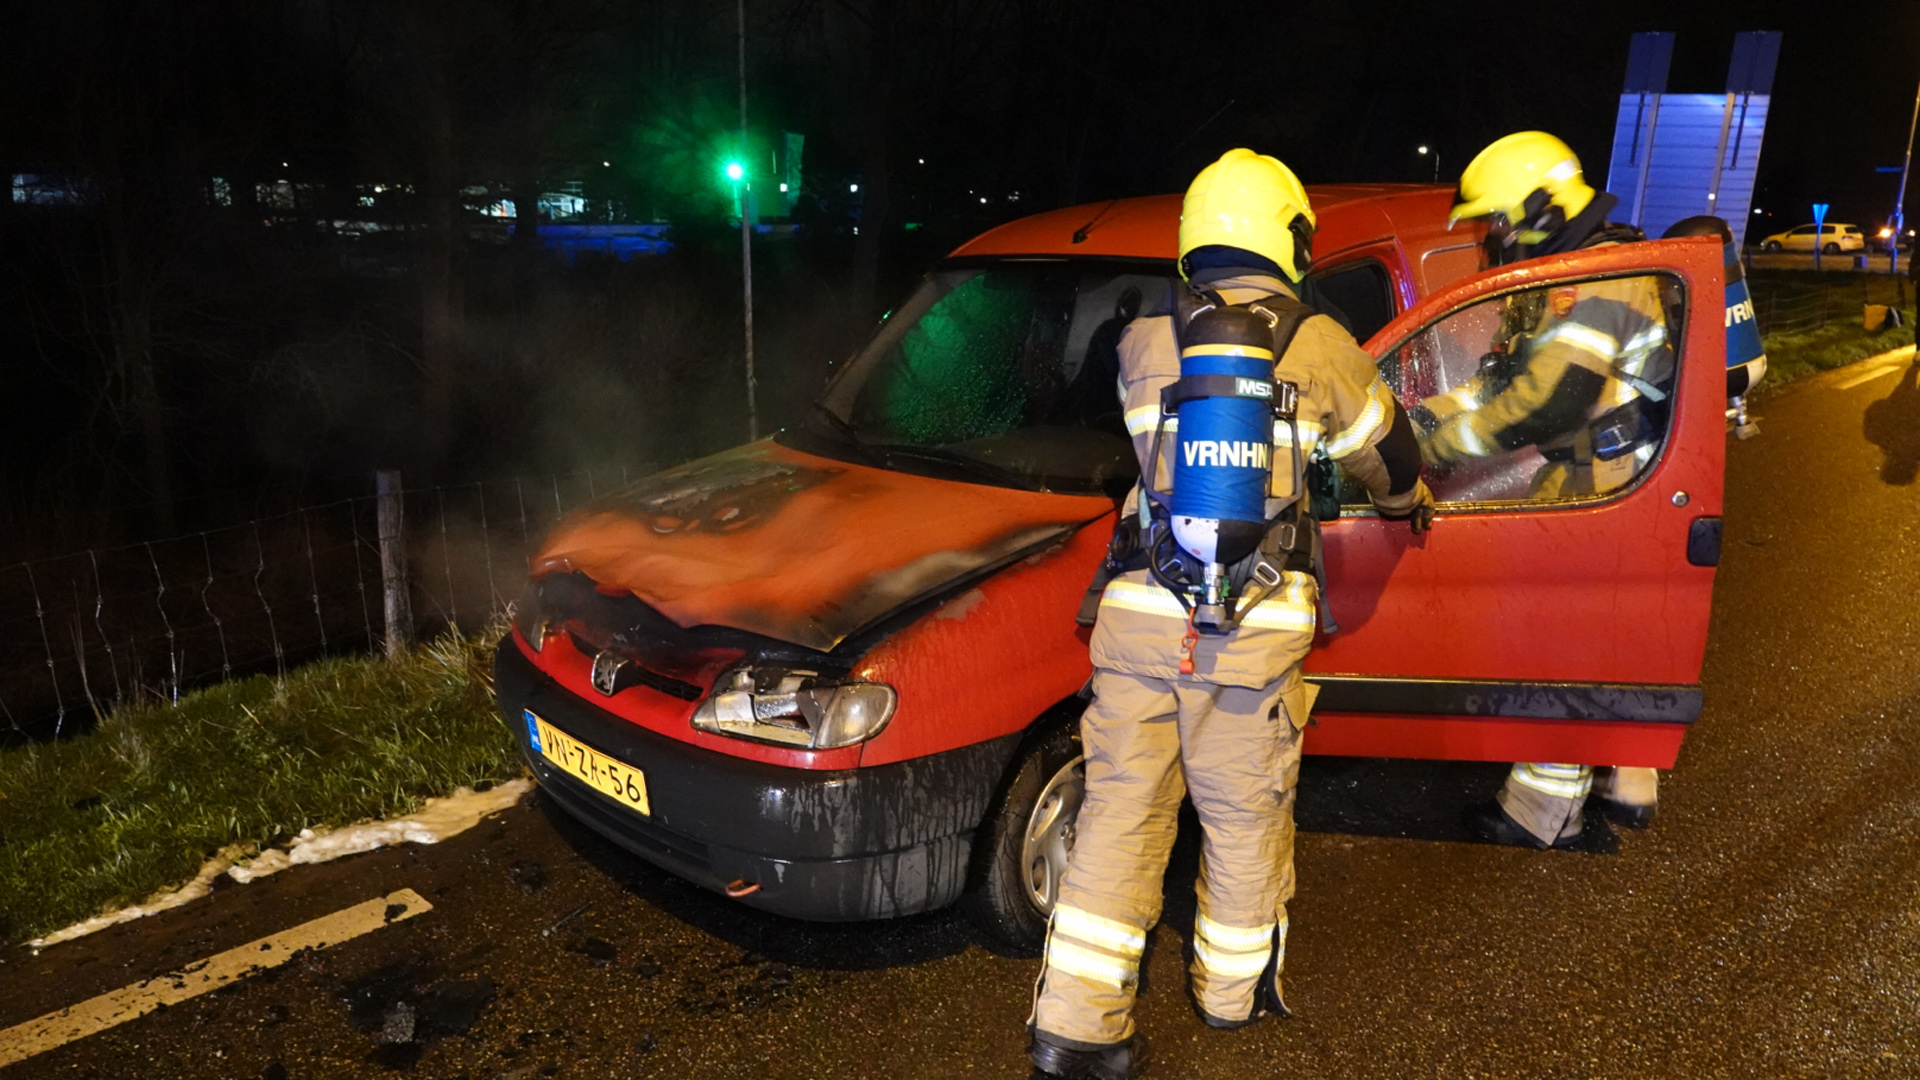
[1804,230]
[1553,394]
[1361,291]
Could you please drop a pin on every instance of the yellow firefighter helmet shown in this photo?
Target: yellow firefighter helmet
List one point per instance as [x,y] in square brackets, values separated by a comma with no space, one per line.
[1252,202]
[1522,178]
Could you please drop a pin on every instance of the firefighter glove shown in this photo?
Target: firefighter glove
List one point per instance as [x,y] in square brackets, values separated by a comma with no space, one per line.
[1414,507]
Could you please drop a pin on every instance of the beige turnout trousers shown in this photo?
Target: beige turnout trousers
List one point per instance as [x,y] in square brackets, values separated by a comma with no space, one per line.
[1544,797]
[1547,799]
[1148,742]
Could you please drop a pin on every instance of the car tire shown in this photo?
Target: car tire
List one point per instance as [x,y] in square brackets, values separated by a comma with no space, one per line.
[1831,249]
[1020,850]
[1772,247]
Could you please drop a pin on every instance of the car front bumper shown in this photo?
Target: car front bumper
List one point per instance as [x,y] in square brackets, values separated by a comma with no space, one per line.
[838,844]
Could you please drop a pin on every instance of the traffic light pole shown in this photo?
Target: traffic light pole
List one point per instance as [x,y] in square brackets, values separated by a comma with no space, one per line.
[1900,197]
[746,231]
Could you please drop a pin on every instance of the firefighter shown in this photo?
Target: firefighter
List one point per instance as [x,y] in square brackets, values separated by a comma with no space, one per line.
[1227,729]
[1582,373]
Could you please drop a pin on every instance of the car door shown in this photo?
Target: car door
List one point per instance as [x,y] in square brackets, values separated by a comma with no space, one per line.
[1524,628]
[1801,239]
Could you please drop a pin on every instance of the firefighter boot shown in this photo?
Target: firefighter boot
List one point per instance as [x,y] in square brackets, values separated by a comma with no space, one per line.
[1627,795]
[1490,823]
[1061,1059]
[1538,807]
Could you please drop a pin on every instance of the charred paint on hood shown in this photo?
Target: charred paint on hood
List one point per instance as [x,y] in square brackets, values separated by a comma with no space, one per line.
[802,549]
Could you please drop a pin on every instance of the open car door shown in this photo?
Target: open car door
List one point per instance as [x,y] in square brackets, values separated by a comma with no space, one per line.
[1522,628]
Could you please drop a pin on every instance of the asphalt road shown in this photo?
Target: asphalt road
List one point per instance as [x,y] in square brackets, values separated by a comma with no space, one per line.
[1767,925]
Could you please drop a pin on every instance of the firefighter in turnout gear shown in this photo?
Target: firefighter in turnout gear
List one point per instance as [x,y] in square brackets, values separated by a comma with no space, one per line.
[1582,373]
[1218,716]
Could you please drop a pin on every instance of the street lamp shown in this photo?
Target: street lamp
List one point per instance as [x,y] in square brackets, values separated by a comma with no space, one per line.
[1424,151]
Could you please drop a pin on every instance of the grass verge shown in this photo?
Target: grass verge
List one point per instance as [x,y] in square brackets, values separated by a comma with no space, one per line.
[1793,356]
[113,816]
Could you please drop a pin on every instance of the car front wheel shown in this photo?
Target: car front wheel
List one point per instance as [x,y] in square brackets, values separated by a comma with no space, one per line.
[1022,849]
[1772,246]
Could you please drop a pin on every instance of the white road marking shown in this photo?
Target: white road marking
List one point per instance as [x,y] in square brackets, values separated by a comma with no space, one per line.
[1875,367]
[130,1002]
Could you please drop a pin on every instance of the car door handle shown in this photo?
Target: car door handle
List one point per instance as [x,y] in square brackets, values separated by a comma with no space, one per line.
[1703,541]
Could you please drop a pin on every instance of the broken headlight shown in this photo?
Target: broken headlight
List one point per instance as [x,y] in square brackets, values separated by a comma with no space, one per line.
[530,619]
[794,707]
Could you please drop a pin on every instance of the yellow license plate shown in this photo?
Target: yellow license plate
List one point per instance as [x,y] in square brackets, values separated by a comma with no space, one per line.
[616,780]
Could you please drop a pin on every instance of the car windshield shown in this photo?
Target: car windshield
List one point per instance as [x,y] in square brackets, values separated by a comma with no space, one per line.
[1003,373]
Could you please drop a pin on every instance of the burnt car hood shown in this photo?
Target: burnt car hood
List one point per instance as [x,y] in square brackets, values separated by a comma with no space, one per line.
[803,549]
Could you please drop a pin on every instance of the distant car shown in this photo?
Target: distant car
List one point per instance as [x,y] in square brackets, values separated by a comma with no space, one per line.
[1883,240]
[1832,239]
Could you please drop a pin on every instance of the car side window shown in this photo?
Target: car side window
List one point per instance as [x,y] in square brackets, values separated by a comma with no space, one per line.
[1559,393]
[1804,230]
[1362,291]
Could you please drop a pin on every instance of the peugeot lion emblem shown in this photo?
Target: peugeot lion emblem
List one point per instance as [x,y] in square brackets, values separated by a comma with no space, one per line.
[606,672]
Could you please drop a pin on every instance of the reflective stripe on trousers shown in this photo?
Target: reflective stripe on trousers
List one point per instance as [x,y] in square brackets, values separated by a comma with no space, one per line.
[1093,947]
[1546,798]
[1560,781]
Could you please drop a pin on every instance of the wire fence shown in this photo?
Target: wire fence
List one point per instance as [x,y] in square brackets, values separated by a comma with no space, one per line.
[88,632]
[1794,304]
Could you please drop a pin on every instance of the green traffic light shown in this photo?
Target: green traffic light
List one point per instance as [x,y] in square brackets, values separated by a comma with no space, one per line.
[735,171]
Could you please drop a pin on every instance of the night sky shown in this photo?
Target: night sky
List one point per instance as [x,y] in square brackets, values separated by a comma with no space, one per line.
[1381,79]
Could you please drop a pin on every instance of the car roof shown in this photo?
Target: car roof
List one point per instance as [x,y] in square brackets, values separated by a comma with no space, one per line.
[1349,215]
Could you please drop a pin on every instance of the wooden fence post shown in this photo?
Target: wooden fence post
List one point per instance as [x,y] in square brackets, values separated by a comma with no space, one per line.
[393,561]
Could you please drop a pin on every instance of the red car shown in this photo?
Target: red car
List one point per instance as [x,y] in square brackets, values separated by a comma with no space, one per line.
[836,673]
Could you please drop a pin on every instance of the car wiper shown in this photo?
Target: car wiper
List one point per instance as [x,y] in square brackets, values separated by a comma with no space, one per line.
[845,433]
[972,466]
[838,423]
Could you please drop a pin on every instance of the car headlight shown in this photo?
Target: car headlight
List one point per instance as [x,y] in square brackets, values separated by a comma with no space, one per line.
[530,620]
[794,707]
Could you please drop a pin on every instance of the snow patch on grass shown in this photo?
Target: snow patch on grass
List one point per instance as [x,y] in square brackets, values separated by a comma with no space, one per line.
[441,818]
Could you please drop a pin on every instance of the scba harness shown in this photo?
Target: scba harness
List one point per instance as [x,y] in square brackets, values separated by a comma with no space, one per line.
[1210,540]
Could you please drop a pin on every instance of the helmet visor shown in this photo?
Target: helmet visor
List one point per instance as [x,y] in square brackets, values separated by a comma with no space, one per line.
[1465,208]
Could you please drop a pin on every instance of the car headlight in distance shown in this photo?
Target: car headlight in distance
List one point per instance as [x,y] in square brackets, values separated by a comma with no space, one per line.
[794,707]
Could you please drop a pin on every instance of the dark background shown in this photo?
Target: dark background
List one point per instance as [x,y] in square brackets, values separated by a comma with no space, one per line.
[168,362]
